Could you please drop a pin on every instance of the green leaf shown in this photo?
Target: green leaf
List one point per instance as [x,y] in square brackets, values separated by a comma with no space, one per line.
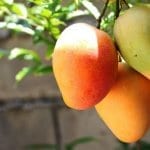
[38,20]
[24,54]
[83,140]
[8,1]
[20,28]
[38,69]
[56,22]
[19,9]
[4,10]
[25,71]
[77,2]
[123,146]
[3,53]
[40,10]
[143,146]
[55,31]
[41,37]
[46,13]
[37,2]
[43,69]
[91,8]
[50,50]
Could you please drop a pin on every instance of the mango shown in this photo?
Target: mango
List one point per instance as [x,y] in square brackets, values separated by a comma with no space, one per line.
[132,35]
[85,65]
[126,108]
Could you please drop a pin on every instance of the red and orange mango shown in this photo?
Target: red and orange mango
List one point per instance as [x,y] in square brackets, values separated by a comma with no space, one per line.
[85,65]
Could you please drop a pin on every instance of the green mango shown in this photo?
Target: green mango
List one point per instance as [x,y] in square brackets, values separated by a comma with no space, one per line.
[132,35]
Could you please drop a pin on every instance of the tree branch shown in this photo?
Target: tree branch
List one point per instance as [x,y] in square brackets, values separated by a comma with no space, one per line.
[117,9]
[102,14]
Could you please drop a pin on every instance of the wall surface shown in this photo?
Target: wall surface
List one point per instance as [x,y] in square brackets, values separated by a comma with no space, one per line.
[55,124]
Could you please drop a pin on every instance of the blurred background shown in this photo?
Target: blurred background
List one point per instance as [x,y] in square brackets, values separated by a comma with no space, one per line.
[32,113]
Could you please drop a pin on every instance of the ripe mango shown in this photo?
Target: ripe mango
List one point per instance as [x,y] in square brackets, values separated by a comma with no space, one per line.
[85,65]
[126,108]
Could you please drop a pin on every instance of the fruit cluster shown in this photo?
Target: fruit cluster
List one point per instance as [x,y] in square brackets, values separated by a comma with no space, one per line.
[86,68]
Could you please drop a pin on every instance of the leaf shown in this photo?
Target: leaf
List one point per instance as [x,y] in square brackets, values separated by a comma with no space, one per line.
[37,2]
[19,9]
[123,146]
[20,28]
[38,20]
[55,31]
[46,13]
[50,50]
[37,69]
[76,2]
[24,54]
[3,24]
[56,22]
[8,1]
[91,8]
[4,9]
[25,71]
[3,53]
[83,140]
[43,69]
[143,145]
[40,10]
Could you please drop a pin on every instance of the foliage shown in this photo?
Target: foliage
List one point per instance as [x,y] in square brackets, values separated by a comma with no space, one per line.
[140,145]
[85,140]
[68,146]
[44,20]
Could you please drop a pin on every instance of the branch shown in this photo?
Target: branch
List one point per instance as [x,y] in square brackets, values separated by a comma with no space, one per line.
[117,9]
[126,3]
[102,14]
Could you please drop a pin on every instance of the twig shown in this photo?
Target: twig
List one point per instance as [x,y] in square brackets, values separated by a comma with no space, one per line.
[117,9]
[126,3]
[118,5]
[102,14]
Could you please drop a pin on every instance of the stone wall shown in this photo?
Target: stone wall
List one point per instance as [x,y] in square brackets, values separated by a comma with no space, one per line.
[48,125]
[55,125]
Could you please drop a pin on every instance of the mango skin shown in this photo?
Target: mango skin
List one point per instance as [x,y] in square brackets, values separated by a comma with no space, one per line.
[85,65]
[132,35]
[126,109]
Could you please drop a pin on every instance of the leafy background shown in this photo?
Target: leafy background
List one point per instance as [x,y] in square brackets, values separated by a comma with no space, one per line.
[43,21]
